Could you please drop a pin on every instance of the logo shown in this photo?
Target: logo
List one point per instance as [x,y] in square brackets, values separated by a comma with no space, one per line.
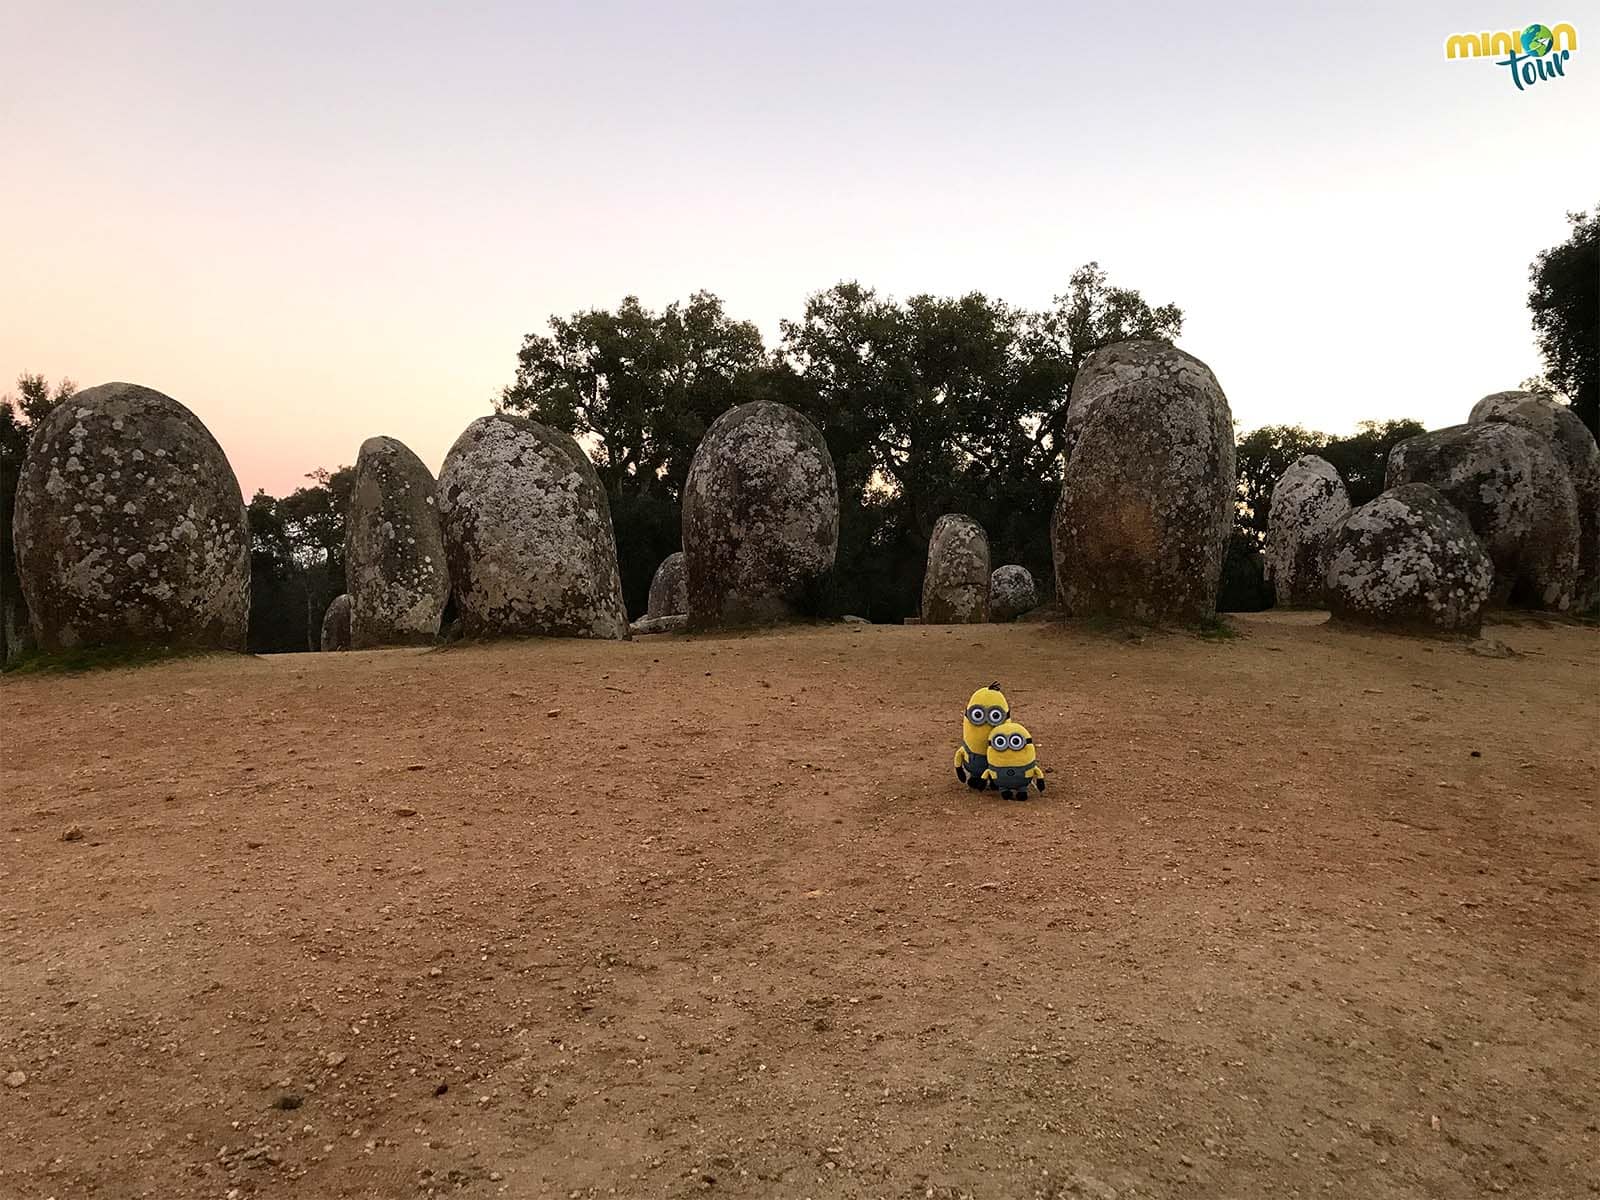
[1532,55]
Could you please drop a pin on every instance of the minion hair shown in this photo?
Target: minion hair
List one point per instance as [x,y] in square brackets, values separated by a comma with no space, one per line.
[995,685]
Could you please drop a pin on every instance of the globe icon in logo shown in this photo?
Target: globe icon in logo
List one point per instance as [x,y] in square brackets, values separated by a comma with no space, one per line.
[1536,40]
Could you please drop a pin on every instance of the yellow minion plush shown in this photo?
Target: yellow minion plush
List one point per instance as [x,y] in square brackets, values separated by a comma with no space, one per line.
[985,709]
[1012,762]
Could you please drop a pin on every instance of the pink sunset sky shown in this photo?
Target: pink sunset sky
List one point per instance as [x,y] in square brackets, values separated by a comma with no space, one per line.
[312,223]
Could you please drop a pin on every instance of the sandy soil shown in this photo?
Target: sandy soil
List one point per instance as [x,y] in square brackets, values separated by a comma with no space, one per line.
[1306,913]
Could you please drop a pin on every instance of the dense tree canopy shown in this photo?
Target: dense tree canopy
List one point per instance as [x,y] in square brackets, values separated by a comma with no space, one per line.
[297,560]
[928,405]
[19,415]
[1361,459]
[639,389]
[1565,302]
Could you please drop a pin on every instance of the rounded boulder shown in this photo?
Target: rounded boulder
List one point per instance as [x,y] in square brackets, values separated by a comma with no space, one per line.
[1575,447]
[1011,592]
[1147,501]
[1409,561]
[1518,498]
[527,534]
[669,588]
[394,556]
[760,519]
[130,527]
[336,624]
[1309,503]
[955,583]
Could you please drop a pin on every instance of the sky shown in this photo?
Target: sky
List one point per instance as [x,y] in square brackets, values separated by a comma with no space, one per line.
[317,222]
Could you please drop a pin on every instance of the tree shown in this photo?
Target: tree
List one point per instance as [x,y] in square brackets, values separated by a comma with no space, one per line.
[297,560]
[1243,585]
[931,405]
[19,417]
[1362,459]
[921,410]
[1263,456]
[639,389]
[1565,303]
[1090,315]
[942,404]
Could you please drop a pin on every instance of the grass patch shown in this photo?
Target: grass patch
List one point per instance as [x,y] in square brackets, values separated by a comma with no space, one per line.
[1118,629]
[1216,628]
[97,658]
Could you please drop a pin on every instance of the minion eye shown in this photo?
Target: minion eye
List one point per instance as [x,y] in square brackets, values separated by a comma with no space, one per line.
[1016,741]
[998,741]
[975,715]
[996,715]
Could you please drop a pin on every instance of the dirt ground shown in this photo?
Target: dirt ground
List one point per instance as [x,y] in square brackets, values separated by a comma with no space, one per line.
[1303,913]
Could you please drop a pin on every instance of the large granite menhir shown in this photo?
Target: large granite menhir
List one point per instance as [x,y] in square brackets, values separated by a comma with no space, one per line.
[760,519]
[130,527]
[1148,495]
[527,533]
[394,555]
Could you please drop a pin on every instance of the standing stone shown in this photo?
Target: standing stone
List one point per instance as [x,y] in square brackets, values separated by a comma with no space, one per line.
[16,632]
[1011,592]
[1147,502]
[669,588]
[1575,447]
[130,527]
[760,519]
[1516,495]
[1309,503]
[527,534]
[336,624]
[1122,363]
[394,556]
[955,583]
[1410,561]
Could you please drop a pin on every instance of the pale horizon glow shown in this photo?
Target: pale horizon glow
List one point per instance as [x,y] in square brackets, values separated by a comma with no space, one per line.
[317,223]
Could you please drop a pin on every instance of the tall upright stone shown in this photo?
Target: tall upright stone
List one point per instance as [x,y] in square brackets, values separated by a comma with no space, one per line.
[760,519]
[394,555]
[669,588]
[130,527]
[1309,504]
[1575,446]
[955,582]
[336,624]
[527,532]
[1147,501]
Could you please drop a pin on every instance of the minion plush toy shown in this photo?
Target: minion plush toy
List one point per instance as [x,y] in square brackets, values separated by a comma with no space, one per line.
[986,708]
[1012,762]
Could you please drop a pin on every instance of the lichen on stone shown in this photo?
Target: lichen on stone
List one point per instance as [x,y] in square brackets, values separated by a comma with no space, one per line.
[1011,592]
[394,554]
[1575,447]
[336,624]
[159,556]
[955,582]
[1517,496]
[1309,504]
[760,519]
[1148,494]
[1409,561]
[527,533]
